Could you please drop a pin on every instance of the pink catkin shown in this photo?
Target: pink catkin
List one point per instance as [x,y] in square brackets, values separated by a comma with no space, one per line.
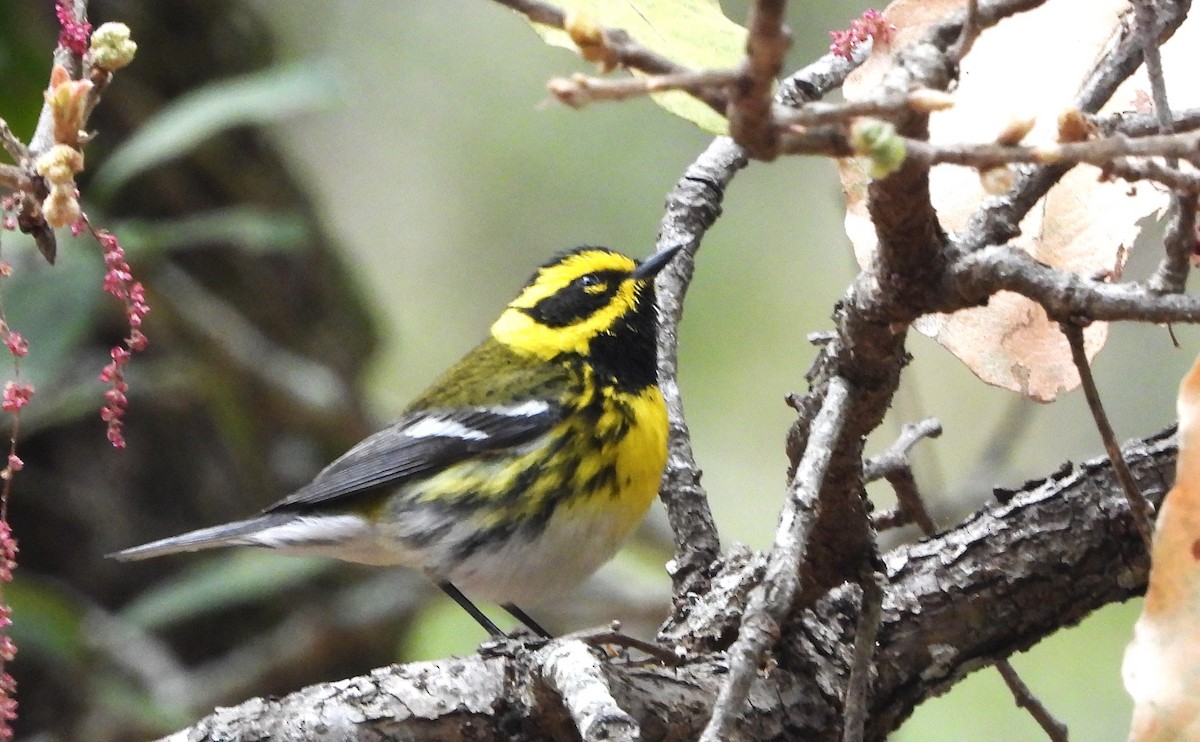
[16,395]
[74,35]
[118,281]
[8,553]
[8,686]
[17,344]
[870,25]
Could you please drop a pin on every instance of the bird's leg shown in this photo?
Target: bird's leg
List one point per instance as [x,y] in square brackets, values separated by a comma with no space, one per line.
[524,618]
[470,608]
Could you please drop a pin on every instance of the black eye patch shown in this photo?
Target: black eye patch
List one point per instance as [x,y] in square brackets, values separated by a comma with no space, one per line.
[577,300]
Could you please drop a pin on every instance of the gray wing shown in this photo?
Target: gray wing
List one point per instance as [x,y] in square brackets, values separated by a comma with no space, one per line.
[421,443]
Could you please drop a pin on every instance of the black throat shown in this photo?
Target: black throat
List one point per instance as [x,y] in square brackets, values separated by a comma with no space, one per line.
[627,355]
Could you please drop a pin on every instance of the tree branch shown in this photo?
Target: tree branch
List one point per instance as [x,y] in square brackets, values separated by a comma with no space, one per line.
[621,47]
[693,206]
[1009,561]
[1055,730]
[772,600]
[1064,295]
[1142,515]
[999,219]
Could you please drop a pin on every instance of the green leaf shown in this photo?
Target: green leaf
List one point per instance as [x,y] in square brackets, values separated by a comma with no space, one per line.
[234,578]
[693,33]
[260,98]
[249,227]
[46,618]
[55,308]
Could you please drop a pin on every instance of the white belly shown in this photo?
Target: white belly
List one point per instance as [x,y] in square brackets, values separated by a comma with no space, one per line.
[566,553]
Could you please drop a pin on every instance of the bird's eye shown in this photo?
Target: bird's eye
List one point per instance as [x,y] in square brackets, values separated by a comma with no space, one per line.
[591,283]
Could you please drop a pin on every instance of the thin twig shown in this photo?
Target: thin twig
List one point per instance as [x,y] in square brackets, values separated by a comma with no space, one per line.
[968,34]
[817,78]
[1097,152]
[1055,729]
[894,517]
[1140,124]
[1146,28]
[15,178]
[896,455]
[1187,183]
[947,32]
[817,113]
[998,220]
[908,495]
[43,134]
[750,121]
[579,90]
[1101,152]
[894,466]
[624,50]
[770,602]
[1180,237]
[12,144]
[857,706]
[602,637]
[1139,508]
[1172,271]
[693,205]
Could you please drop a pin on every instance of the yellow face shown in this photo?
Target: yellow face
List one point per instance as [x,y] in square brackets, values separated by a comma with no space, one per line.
[569,302]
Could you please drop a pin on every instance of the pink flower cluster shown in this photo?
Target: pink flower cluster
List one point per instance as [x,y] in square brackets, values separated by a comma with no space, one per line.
[17,344]
[74,35]
[871,25]
[16,395]
[8,650]
[8,562]
[118,281]
[8,706]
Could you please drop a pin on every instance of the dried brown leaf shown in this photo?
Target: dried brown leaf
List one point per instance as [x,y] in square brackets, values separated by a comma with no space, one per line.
[1162,662]
[1083,225]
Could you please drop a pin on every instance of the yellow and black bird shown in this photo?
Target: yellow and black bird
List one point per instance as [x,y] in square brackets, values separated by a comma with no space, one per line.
[521,469]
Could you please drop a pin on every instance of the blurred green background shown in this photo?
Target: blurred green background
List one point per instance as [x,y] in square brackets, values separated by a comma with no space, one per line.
[437,176]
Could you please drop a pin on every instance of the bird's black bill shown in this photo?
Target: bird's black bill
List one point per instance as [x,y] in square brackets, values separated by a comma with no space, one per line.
[487,624]
[655,263]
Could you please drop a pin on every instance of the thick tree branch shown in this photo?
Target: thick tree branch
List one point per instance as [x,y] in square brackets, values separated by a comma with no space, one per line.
[1013,562]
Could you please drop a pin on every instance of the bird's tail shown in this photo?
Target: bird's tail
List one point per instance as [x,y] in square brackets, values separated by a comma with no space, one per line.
[238,533]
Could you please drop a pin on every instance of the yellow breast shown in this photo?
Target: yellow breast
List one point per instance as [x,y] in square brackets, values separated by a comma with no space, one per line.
[633,435]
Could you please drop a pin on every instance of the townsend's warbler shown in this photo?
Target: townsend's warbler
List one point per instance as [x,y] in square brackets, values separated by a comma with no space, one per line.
[520,471]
